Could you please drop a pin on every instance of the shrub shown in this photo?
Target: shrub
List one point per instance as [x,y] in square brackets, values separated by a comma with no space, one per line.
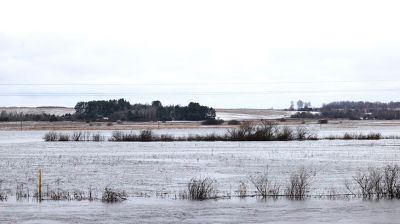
[97,137]
[76,136]
[370,136]
[50,136]
[264,186]
[116,136]
[112,195]
[200,189]
[212,122]
[374,136]
[242,133]
[3,196]
[285,134]
[301,133]
[379,182]
[63,137]
[146,136]
[299,183]
[242,189]
[264,131]
[166,138]
[234,122]
[323,121]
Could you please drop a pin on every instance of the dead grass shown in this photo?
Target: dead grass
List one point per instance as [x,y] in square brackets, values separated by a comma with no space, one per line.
[199,189]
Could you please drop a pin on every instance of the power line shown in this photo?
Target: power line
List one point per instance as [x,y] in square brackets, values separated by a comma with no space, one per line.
[58,94]
[193,83]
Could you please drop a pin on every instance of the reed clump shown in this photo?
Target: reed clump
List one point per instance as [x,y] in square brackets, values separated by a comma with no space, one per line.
[200,189]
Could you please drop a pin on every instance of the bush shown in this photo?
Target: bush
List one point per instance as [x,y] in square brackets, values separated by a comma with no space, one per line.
[301,133]
[3,196]
[323,121]
[146,136]
[234,122]
[112,196]
[379,182]
[50,136]
[63,137]
[166,138]
[97,137]
[264,186]
[76,136]
[242,189]
[370,136]
[285,134]
[213,122]
[116,136]
[299,183]
[200,189]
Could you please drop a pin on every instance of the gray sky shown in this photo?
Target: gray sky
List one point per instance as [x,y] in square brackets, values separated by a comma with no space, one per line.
[255,54]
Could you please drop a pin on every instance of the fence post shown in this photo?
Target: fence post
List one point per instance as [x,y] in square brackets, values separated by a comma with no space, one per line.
[40,185]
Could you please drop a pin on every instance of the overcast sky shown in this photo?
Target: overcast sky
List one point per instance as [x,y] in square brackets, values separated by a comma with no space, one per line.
[234,54]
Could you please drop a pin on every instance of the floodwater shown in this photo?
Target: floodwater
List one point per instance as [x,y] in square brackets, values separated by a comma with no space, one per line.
[154,173]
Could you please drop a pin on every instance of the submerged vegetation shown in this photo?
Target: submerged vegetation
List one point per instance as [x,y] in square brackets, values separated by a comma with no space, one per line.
[378,183]
[299,184]
[76,136]
[373,183]
[200,189]
[247,131]
[265,187]
[112,195]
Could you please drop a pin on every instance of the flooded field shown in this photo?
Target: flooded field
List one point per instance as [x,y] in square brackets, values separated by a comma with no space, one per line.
[153,174]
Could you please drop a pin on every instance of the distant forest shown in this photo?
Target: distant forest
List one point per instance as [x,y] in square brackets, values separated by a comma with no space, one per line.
[354,111]
[121,110]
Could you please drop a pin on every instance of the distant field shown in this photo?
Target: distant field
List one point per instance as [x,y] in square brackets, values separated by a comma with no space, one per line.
[251,114]
[39,110]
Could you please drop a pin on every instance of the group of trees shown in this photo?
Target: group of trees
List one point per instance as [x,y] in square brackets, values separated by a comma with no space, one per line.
[123,110]
[301,106]
[356,111]
[362,110]
[114,110]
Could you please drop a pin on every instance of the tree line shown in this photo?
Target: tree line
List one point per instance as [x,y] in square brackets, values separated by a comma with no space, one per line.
[355,110]
[121,110]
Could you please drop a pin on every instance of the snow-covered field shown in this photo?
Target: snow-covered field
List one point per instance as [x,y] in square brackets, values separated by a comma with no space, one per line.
[251,114]
[147,170]
[39,110]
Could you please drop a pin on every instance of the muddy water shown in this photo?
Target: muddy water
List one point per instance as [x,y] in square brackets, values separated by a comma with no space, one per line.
[144,170]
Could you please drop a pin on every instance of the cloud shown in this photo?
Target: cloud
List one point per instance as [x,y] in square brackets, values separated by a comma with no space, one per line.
[229,47]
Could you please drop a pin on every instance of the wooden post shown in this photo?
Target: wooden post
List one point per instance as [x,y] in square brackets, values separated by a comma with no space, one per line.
[40,185]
